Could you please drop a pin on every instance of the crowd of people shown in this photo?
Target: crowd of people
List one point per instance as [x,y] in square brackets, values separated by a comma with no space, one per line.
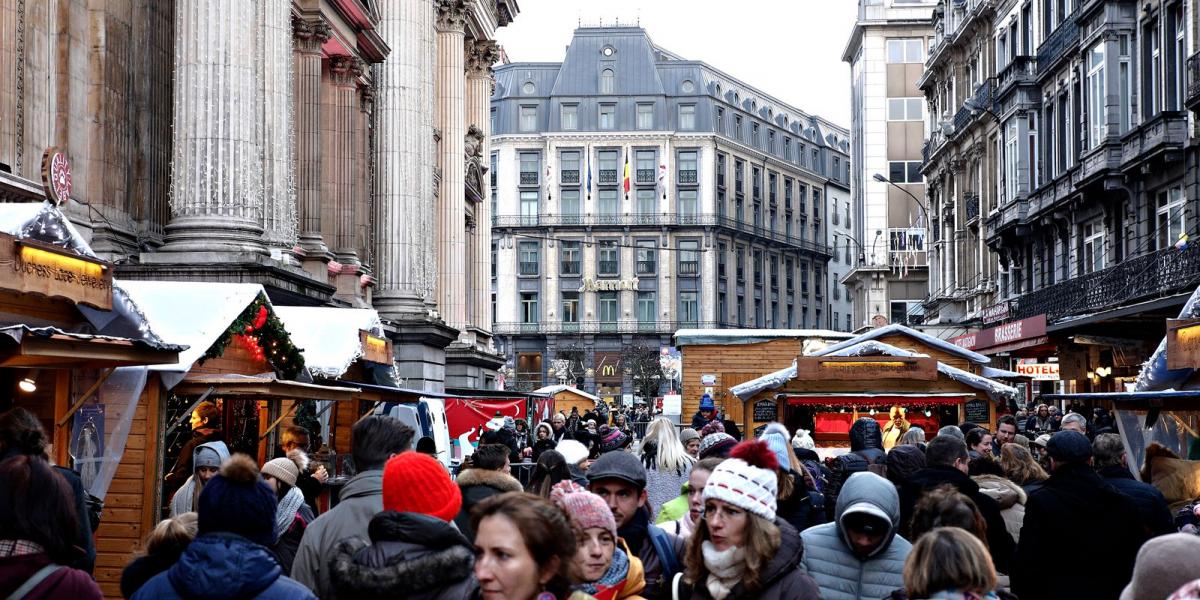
[965,514]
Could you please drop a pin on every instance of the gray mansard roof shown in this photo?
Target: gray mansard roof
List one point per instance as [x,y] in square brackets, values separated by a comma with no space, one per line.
[644,73]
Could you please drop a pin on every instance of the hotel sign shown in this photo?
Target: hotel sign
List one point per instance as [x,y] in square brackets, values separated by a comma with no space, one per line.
[52,271]
[608,285]
[1039,371]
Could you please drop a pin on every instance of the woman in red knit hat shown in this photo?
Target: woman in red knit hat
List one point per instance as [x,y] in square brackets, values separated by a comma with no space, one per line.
[414,550]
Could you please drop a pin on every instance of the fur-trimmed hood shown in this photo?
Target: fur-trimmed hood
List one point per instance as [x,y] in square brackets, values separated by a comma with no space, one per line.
[493,479]
[1003,491]
[410,556]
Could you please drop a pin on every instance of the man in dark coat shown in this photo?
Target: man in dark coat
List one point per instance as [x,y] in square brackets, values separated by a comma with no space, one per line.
[1076,520]
[1112,465]
[866,450]
[487,476]
[947,462]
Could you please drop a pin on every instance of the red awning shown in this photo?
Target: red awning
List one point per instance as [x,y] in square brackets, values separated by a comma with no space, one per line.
[876,399]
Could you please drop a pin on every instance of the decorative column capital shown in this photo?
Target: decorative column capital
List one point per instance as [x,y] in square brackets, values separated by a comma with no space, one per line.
[481,55]
[310,34]
[451,15]
[366,95]
[345,69]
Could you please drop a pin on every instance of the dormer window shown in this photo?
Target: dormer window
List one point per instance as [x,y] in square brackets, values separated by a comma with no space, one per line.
[607,81]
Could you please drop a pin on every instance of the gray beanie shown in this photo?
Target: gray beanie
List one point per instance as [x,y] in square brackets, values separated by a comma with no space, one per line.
[688,434]
[206,457]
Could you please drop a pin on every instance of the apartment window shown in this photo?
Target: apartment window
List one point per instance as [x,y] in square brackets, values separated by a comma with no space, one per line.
[1152,91]
[569,115]
[905,50]
[739,176]
[758,268]
[570,307]
[610,308]
[689,257]
[910,239]
[492,177]
[804,317]
[687,167]
[770,140]
[837,168]
[570,206]
[719,121]
[528,119]
[1049,141]
[494,259]
[529,307]
[647,203]
[529,208]
[608,259]
[1097,111]
[787,148]
[645,171]
[492,121]
[907,312]
[789,275]
[837,291]
[816,162]
[737,127]
[1178,69]
[721,170]
[1169,217]
[608,116]
[608,167]
[755,138]
[569,255]
[836,242]
[819,281]
[647,308]
[528,257]
[804,278]
[1010,161]
[609,203]
[689,308]
[739,259]
[1093,246]
[758,312]
[772,184]
[756,183]
[774,272]
[645,116]
[837,319]
[529,168]
[721,261]
[849,323]
[569,167]
[902,171]
[1026,45]
[722,309]
[647,252]
[1125,74]
[687,117]
[905,109]
[688,204]
[607,81]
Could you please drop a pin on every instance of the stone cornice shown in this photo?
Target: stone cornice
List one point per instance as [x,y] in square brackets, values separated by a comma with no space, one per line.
[451,15]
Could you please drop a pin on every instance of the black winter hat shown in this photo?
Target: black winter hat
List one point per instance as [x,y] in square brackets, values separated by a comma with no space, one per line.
[238,501]
[1069,447]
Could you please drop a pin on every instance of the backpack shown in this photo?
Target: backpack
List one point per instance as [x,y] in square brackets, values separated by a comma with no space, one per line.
[665,551]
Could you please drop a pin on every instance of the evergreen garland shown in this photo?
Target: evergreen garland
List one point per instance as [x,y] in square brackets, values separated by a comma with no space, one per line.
[263,335]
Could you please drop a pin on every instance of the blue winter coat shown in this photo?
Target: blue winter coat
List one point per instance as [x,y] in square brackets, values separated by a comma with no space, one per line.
[829,559]
[223,565]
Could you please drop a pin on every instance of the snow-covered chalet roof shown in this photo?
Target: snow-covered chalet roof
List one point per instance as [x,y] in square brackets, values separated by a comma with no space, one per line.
[42,222]
[770,381]
[686,337]
[551,390]
[328,336]
[924,338]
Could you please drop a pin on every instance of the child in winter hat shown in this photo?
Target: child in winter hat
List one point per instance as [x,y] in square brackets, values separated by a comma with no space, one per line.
[716,444]
[747,479]
[776,437]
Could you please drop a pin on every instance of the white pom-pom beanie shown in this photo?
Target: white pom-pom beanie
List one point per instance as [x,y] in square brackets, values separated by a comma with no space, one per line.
[747,479]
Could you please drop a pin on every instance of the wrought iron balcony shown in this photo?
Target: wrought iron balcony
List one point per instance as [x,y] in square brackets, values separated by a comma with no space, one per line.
[529,178]
[1022,70]
[687,176]
[1060,43]
[608,176]
[1155,275]
[1193,82]
[571,176]
[645,175]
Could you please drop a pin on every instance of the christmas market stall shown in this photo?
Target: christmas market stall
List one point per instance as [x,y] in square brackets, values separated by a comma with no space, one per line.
[73,351]
[896,375]
[568,397]
[241,358]
[715,360]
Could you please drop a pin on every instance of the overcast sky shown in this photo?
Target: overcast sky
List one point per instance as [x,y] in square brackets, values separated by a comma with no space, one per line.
[790,49]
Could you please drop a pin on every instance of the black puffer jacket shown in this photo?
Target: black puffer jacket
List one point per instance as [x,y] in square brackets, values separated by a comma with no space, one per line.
[411,556]
[866,440]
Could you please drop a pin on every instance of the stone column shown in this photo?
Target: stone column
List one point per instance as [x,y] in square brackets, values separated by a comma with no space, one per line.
[404,147]
[451,218]
[309,37]
[480,57]
[275,77]
[430,178]
[217,169]
[344,72]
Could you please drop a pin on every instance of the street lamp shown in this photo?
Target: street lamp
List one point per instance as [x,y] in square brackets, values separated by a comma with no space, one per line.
[881,179]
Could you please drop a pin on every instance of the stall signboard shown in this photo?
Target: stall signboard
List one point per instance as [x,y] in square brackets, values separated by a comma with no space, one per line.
[1183,343]
[976,411]
[52,271]
[857,368]
[766,411]
[470,415]
[1039,371]
[375,348]
[672,404]
[708,379]
[999,335]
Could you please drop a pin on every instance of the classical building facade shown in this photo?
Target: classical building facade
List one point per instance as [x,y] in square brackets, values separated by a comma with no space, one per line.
[636,193]
[961,158]
[886,53]
[329,150]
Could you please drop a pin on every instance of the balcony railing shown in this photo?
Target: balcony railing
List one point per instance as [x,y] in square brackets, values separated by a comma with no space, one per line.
[608,176]
[1021,70]
[569,268]
[663,219]
[687,176]
[571,176]
[1058,44]
[645,267]
[528,268]
[608,268]
[623,326]
[645,175]
[529,178]
[1193,81]
[689,268]
[1156,275]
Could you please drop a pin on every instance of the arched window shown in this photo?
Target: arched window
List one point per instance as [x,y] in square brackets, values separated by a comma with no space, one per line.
[607,78]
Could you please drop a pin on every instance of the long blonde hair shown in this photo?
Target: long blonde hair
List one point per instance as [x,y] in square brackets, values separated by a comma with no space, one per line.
[670,454]
[174,533]
[1019,466]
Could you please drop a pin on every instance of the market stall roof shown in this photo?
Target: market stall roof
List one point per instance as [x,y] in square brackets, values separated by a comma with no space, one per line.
[1174,400]
[995,391]
[43,222]
[190,312]
[329,336]
[1155,376]
[551,390]
[719,337]
[924,338]
[51,347]
[264,385]
[994,373]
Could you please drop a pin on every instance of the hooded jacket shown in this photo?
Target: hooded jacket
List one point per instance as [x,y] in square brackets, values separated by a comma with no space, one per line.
[781,580]
[359,501]
[540,446]
[477,485]
[184,499]
[866,440]
[830,559]
[411,555]
[1011,499]
[66,582]
[223,565]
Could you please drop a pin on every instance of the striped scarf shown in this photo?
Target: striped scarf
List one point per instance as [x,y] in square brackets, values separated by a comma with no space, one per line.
[614,577]
[286,512]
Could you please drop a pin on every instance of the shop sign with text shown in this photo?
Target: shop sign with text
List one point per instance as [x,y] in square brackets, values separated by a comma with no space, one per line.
[1003,334]
[608,285]
[52,271]
[1039,371]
